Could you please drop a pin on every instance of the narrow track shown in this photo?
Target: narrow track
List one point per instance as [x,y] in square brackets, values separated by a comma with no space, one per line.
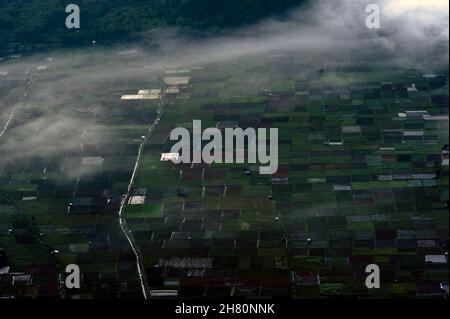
[122,222]
[11,116]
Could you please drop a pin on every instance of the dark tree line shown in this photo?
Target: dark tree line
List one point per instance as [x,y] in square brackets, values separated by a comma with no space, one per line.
[27,25]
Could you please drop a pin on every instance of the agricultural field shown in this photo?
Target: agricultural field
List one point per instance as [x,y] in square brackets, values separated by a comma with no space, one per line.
[200,149]
[362,177]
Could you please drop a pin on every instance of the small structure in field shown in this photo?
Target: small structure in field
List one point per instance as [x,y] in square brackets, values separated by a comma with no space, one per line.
[153,94]
[166,157]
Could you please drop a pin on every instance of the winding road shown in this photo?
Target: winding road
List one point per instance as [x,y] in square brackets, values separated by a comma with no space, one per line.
[126,231]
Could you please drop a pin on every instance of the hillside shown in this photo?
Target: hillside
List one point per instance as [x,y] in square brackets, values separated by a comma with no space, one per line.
[39,24]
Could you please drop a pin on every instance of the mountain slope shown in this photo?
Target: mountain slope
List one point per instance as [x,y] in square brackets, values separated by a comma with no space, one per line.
[36,24]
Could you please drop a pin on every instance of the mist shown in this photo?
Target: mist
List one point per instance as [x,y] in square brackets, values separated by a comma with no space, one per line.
[59,83]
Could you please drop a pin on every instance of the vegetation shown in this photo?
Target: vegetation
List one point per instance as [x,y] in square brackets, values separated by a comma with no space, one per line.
[27,25]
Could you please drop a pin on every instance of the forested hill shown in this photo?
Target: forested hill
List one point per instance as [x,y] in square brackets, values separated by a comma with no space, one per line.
[37,24]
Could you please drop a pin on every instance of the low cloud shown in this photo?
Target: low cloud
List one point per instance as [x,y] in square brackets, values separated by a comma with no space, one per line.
[45,122]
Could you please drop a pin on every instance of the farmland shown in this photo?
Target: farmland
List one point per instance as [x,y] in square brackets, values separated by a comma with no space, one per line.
[362,177]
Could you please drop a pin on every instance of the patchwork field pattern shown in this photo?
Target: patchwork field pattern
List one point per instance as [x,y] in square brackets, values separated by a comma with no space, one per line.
[362,179]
